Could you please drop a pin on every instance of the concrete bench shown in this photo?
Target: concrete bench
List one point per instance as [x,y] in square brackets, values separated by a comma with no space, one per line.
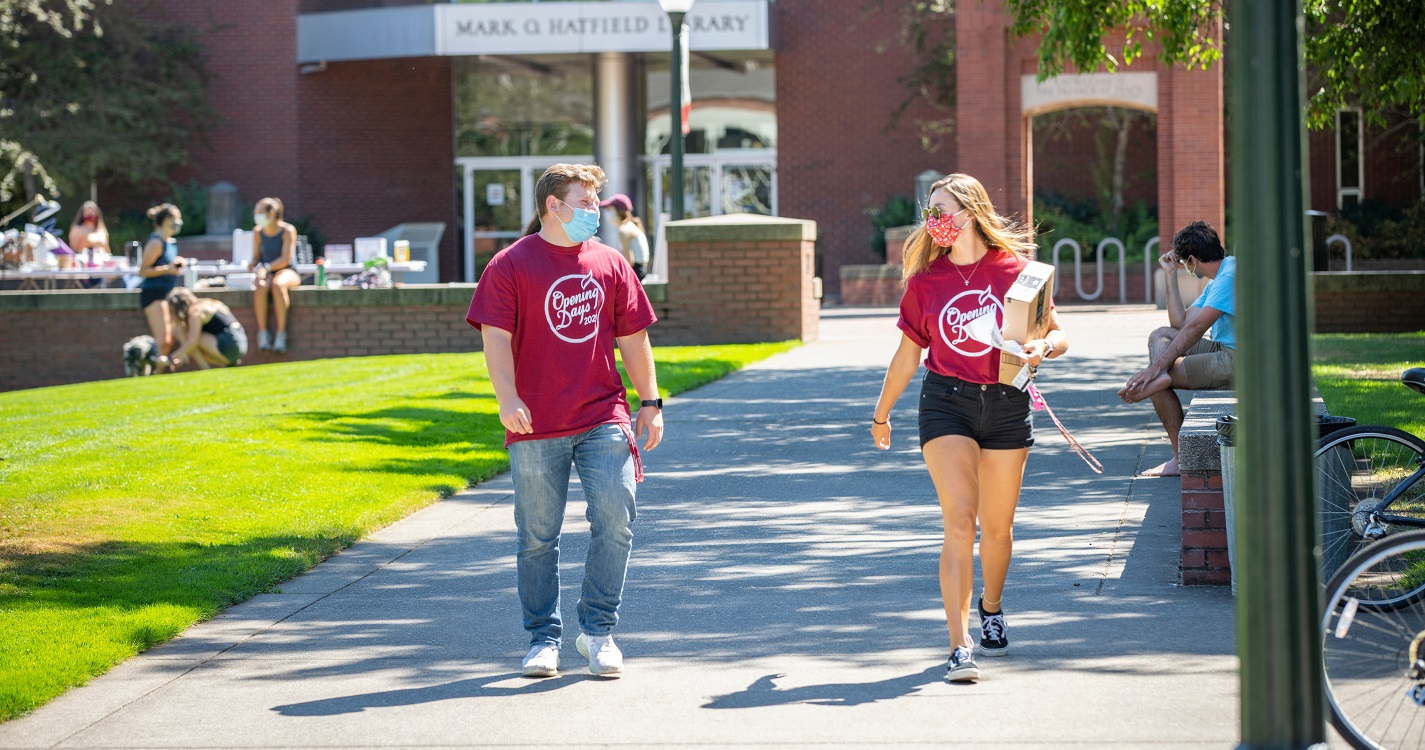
[1204,545]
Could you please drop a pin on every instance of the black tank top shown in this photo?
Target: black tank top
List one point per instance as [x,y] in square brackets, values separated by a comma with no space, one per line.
[221,321]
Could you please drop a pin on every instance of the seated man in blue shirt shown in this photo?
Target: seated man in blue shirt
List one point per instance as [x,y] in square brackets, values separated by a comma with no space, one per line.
[1181,357]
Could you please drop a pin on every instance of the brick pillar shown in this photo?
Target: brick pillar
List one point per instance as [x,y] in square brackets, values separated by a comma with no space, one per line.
[988,125]
[1191,171]
[739,279]
[1204,550]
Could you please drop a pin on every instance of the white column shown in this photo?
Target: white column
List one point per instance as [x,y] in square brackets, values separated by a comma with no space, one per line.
[612,129]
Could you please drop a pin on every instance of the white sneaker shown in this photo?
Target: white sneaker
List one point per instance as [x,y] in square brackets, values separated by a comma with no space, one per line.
[264,341]
[605,660]
[541,661]
[279,344]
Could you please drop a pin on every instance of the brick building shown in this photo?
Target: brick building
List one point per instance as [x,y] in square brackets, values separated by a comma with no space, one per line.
[363,114]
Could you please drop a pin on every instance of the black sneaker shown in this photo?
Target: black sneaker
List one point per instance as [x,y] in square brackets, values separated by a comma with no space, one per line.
[962,667]
[994,634]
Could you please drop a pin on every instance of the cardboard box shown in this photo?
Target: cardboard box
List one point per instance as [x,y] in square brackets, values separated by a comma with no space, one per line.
[1026,317]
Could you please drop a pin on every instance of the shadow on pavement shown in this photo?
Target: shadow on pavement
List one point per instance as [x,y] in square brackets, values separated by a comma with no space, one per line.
[764,692]
[472,688]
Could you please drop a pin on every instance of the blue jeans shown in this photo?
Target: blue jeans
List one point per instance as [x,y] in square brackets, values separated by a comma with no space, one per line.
[541,475]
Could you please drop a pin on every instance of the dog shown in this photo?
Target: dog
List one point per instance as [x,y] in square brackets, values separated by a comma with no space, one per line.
[140,356]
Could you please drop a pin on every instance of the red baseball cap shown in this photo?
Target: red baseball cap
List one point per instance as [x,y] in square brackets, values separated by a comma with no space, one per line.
[620,200]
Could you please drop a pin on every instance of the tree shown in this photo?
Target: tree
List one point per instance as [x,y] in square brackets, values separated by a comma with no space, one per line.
[1359,53]
[88,91]
[16,17]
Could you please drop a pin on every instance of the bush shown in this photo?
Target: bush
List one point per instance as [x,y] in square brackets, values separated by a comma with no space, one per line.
[899,211]
[1379,232]
[1057,217]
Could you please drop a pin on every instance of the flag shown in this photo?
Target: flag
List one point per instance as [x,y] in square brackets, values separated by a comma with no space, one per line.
[687,103]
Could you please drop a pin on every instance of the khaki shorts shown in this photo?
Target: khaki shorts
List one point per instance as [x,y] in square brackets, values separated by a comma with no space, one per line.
[1207,365]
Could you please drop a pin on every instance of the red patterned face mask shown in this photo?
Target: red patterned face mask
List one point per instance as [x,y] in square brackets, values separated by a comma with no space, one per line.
[942,228]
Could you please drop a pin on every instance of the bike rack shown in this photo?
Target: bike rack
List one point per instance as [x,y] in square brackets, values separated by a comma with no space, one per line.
[1344,240]
[1098,268]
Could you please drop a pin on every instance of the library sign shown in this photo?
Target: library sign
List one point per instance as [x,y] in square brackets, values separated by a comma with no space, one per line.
[574,27]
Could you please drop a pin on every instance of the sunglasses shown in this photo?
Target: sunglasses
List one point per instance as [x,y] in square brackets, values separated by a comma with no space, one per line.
[935,212]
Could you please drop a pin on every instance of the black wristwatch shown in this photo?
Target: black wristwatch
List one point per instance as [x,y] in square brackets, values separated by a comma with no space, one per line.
[658,402]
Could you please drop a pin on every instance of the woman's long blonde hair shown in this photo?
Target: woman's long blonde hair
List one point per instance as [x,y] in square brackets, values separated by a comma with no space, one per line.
[998,232]
[182,302]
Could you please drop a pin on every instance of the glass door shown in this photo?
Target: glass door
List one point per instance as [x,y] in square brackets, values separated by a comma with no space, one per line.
[497,213]
[499,202]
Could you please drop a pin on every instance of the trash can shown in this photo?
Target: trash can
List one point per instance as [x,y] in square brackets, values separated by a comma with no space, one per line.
[1225,427]
[1325,425]
[1328,423]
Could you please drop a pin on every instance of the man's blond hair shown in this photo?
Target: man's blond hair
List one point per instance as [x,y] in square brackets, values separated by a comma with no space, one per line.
[556,181]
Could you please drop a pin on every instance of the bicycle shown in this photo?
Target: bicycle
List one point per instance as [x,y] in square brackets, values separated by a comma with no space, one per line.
[1373,644]
[1369,485]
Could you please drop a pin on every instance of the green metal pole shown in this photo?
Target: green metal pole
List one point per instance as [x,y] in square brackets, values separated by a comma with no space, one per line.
[675,108]
[1279,590]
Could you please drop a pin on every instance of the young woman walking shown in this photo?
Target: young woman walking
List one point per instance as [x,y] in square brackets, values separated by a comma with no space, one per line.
[974,433]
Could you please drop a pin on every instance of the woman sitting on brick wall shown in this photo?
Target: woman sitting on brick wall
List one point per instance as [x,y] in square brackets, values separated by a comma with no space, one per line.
[273,243]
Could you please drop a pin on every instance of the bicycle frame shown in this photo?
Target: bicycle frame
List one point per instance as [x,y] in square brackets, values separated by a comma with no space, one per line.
[1399,490]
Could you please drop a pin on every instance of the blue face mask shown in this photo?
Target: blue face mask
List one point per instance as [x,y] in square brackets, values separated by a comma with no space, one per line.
[584,225]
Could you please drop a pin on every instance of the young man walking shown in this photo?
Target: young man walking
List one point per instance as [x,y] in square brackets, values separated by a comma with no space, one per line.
[1181,357]
[551,309]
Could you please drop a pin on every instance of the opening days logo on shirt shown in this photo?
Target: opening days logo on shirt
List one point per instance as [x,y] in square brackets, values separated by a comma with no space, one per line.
[960,311]
[572,307]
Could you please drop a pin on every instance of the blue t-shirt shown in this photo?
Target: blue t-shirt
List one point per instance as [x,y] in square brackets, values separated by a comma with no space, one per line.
[1219,295]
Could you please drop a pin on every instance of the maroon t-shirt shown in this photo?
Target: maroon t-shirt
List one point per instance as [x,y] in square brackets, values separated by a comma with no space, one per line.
[564,307]
[939,304]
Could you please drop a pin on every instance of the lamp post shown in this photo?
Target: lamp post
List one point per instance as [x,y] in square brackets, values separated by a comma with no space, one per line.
[676,10]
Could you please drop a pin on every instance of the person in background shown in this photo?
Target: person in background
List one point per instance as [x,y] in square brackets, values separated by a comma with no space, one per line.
[87,232]
[273,243]
[631,234]
[1181,358]
[207,330]
[159,268]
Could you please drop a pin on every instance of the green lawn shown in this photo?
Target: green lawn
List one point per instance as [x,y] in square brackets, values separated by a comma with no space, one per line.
[1359,376]
[130,509]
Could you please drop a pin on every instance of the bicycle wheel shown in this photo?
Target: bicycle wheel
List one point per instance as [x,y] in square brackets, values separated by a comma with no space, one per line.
[1357,468]
[1373,645]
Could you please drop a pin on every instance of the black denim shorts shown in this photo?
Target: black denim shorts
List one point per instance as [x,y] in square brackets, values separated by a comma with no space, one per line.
[996,416]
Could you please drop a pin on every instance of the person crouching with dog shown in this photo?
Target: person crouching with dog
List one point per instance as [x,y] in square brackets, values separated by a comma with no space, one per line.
[207,331]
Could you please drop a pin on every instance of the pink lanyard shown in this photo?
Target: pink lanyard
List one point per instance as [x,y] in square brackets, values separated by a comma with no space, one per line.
[1041,405]
[633,448]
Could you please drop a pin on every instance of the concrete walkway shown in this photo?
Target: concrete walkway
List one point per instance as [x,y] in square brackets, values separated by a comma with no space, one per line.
[782,593]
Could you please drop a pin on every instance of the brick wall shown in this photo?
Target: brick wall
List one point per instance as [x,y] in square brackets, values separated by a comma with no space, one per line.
[835,157]
[43,343]
[1370,301]
[739,279]
[1204,547]
[250,47]
[378,149]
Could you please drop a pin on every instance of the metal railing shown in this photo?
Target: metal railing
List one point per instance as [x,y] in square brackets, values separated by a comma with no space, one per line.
[1149,256]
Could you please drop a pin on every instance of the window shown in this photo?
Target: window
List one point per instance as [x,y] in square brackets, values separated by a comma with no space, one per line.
[1350,166]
